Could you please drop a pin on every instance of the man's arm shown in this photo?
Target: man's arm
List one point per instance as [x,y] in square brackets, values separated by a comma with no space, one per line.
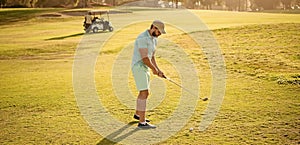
[160,73]
[146,60]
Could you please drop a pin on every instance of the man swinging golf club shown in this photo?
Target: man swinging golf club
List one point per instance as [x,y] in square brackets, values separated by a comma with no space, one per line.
[143,59]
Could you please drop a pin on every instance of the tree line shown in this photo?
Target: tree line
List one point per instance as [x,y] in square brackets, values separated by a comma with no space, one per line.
[243,4]
[203,4]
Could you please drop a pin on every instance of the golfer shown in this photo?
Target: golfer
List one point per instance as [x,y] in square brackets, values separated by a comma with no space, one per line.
[143,59]
[88,22]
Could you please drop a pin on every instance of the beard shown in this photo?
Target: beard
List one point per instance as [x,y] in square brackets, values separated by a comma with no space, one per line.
[154,35]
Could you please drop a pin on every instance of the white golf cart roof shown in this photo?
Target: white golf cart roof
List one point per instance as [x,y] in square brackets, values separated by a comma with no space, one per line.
[99,12]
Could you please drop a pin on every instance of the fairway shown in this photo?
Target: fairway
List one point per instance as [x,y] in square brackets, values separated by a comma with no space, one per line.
[261,53]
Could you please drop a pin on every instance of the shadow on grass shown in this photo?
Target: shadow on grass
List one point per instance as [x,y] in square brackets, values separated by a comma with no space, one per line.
[9,16]
[64,37]
[113,136]
[75,35]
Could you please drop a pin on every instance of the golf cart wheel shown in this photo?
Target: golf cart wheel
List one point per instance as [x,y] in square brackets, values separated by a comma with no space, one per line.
[111,29]
[95,30]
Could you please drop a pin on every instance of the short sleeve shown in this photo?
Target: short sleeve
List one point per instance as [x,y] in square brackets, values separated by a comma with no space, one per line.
[142,43]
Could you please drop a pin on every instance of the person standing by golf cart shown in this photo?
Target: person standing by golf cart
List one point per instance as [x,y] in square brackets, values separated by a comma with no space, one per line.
[88,22]
[143,59]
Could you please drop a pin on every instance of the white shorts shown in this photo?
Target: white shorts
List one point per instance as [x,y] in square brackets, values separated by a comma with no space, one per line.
[141,76]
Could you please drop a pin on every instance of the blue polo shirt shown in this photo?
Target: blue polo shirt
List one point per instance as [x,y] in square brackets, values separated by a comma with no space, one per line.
[144,40]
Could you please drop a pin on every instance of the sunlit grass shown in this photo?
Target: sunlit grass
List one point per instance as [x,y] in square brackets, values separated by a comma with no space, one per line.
[221,19]
[261,104]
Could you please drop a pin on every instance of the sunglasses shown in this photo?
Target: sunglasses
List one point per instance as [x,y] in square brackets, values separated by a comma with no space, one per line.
[157,29]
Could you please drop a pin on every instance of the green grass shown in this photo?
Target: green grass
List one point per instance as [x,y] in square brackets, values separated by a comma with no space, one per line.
[9,16]
[261,105]
[296,11]
[221,19]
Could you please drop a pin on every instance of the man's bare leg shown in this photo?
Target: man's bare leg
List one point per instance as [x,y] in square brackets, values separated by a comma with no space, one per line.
[141,110]
[141,105]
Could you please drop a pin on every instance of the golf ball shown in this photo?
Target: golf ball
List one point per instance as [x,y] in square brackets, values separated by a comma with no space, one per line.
[191,129]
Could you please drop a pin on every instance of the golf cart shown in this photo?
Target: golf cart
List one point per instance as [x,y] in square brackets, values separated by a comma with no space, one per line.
[98,23]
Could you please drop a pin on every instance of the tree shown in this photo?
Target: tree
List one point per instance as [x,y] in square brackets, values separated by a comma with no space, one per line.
[111,2]
[17,3]
[2,3]
[267,4]
[189,3]
[286,4]
[219,2]
[207,3]
[82,3]
[176,3]
[232,4]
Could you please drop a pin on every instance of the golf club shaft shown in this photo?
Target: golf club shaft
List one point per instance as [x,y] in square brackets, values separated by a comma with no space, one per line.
[181,87]
[203,99]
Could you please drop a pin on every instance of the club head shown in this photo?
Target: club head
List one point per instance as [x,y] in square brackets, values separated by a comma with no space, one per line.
[205,99]
[165,77]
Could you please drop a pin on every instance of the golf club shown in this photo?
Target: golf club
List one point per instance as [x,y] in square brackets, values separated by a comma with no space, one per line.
[203,99]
